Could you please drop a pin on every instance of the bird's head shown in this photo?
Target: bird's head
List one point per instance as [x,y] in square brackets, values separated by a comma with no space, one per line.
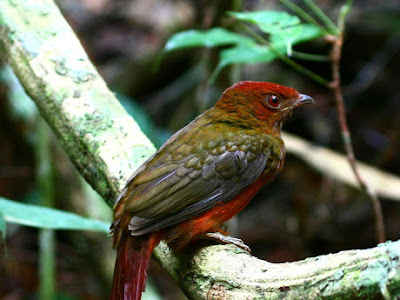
[269,104]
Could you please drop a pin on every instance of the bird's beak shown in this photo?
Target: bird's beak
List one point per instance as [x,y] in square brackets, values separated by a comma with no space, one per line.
[303,99]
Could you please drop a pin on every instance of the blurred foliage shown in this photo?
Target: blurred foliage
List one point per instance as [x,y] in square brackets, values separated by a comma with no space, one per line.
[44,217]
[21,108]
[146,124]
[284,30]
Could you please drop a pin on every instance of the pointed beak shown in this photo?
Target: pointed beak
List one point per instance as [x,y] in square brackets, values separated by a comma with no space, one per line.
[303,99]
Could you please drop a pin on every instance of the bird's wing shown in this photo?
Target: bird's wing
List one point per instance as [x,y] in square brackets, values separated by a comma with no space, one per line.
[173,186]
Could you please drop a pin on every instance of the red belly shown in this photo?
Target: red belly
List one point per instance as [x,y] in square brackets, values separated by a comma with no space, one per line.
[181,235]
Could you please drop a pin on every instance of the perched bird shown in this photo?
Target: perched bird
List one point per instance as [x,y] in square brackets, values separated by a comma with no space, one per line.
[202,176]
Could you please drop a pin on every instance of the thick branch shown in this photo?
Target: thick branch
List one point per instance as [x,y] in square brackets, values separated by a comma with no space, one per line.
[106,146]
[226,272]
[102,140]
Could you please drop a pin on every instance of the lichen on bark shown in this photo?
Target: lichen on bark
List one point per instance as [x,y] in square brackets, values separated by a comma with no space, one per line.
[103,141]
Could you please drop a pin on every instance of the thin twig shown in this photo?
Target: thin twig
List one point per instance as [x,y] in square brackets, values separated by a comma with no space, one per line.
[303,14]
[322,16]
[309,56]
[284,58]
[44,177]
[337,42]
[236,70]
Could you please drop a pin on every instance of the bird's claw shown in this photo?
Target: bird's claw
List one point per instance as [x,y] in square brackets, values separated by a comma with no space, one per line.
[225,239]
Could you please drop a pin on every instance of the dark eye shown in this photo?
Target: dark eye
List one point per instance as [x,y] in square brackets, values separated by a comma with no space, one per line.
[274,101]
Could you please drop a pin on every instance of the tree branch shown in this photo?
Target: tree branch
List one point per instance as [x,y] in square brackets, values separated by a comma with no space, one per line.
[102,140]
[106,145]
[226,272]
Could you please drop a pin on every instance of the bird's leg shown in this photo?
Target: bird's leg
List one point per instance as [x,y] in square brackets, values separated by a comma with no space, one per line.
[226,239]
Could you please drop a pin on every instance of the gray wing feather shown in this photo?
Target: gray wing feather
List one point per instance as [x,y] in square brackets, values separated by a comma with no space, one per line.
[171,199]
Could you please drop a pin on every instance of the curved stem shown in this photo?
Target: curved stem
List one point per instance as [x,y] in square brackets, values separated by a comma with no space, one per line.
[346,137]
[285,59]
[47,238]
[344,10]
[322,16]
[303,14]
[309,56]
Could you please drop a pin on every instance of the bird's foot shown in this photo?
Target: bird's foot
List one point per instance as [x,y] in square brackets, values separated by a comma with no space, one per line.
[225,239]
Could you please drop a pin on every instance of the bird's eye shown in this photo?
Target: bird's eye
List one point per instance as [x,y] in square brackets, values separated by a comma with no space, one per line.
[274,101]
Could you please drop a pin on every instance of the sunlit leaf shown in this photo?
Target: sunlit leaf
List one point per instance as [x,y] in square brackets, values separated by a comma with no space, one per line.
[268,21]
[308,32]
[43,217]
[284,29]
[208,38]
[294,35]
[243,54]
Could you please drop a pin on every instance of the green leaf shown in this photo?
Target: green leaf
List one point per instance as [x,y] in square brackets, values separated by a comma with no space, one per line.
[268,21]
[294,35]
[309,32]
[44,217]
[209,38]
[243,54]
[285,30]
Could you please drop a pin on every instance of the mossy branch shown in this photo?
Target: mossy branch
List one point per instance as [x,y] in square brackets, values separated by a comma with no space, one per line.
[106,145]
[102,140]
[226,272]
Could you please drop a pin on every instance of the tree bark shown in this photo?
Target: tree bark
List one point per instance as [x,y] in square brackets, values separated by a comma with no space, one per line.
[102,140]
[226,272]
[106,145]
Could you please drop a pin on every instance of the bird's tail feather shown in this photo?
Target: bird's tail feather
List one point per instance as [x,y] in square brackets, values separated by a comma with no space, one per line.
[130,273]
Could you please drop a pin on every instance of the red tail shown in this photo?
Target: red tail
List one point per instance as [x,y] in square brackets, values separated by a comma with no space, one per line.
[130,273]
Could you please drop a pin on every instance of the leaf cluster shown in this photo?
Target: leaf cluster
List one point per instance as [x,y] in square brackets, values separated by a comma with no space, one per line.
[284,30]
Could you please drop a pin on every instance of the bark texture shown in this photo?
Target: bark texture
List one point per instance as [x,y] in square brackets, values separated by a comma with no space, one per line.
[102,140]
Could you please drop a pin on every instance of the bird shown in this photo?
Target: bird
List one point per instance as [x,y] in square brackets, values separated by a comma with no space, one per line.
[202,176]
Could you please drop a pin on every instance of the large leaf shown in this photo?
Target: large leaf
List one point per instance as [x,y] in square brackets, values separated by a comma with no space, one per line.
[43,217]
[284,29]
[209,38]
[244,54]
[268,20]
[294,35]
